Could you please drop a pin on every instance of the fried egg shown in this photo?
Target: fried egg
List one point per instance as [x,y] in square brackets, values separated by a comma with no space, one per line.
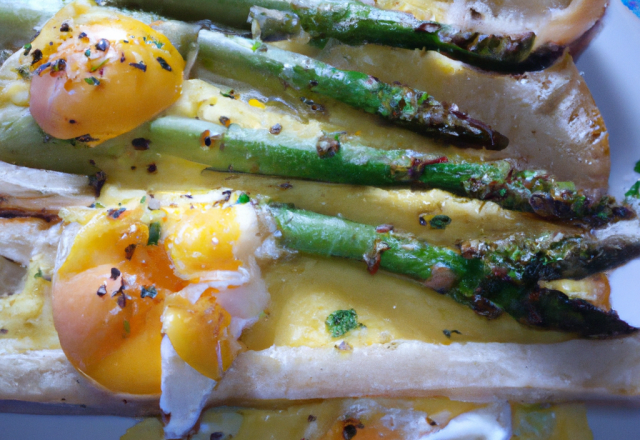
[176,266]
[96,73]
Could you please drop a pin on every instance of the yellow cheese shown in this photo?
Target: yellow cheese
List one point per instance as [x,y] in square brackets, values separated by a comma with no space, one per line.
[26,316]
[305,291]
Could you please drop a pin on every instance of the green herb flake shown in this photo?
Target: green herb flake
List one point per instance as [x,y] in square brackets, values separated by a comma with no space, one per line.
[637,167]
[256,46]
[98,205]
[231,94]
[148,292]
[634,191]
[39,274]
[127,327]
[243,198]
[94,68]
[157,43]
[92,81]
[24,72]
[423,98]
[440,221]
[143,199]
[154,234]
[342,321]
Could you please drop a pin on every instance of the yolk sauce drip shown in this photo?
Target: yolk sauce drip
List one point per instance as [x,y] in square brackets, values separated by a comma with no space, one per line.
[209,352]
[113,292]
[99,75]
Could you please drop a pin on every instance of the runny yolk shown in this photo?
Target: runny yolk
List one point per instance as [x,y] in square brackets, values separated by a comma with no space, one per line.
[107,306]
[97,79]
[115,295]
[201,241]
[199,333]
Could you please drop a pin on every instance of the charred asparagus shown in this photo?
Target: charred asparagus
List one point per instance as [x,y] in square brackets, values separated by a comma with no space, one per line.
[335,158]
[402,105]
[470,281]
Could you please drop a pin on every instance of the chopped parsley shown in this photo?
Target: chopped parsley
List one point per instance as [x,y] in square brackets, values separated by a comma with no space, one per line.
[156,42]
[99,66]
[342,321]
[154,234]
[243,198]
[148,292]
[634,191]
[231,94]
[127,327]
[440,221]
[39,274]
[256,46]
[24,72]
[92,81]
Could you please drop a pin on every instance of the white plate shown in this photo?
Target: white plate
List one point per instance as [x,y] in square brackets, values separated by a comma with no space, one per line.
[611,67]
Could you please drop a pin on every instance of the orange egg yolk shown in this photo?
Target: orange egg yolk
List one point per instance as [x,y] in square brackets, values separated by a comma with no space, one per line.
[108,298]
[200,241]
[116,294]
[98,79]
[199,333]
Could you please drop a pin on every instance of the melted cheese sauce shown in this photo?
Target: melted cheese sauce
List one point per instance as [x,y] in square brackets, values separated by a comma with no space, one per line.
[306,290]
[26,316]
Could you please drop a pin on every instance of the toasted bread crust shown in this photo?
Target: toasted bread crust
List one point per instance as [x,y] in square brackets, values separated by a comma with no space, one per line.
[470,371]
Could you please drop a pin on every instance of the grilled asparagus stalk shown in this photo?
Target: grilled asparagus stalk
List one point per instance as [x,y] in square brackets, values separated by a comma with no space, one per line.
[353,22]
[401,105]
[405,106]
[470,281]
[329,158]
[335,158]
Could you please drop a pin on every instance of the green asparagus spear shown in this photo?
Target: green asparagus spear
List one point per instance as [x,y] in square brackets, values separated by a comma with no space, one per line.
[335,158]
[405,106]
[469,281]
[553,256]
[402,105]
[330,158]
[354,22]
